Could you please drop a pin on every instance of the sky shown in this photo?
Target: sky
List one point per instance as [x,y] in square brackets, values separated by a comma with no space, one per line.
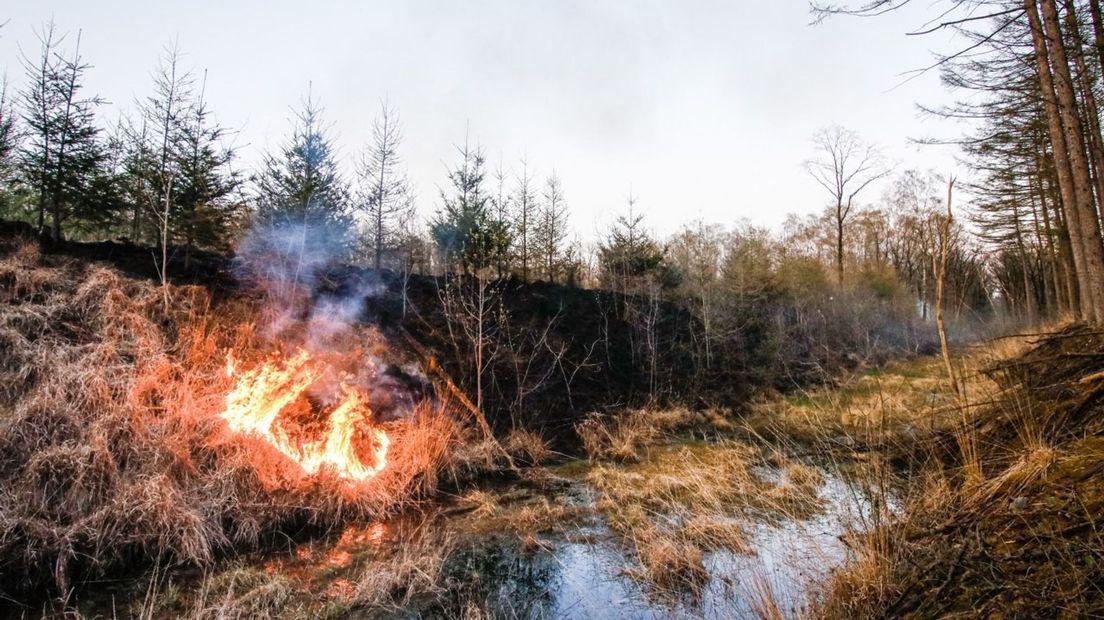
[702,109]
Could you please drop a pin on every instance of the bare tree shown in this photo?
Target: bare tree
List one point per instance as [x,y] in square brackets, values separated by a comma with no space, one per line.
[940,269]
[472,308]
[166,112]
[386,196]
[844,166]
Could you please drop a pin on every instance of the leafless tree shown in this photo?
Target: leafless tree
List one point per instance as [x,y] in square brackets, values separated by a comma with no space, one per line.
[385,192]
[940,269]
[166,112]
[844,166]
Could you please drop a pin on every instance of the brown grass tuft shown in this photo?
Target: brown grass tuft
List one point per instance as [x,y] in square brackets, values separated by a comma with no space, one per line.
[622,437]
[527,447]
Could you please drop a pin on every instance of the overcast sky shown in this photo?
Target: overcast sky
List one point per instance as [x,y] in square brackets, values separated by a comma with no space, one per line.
[705,109]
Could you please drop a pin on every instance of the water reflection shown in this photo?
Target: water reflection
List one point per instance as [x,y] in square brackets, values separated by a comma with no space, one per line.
[580,572]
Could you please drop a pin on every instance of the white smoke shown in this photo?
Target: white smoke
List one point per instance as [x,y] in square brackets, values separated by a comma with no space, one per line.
[311,300]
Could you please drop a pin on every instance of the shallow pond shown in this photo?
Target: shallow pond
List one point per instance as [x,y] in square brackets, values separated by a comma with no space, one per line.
[541,546]
[578,567]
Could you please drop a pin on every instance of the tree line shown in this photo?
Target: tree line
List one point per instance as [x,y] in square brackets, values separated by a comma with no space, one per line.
[1030,74]
[165,174]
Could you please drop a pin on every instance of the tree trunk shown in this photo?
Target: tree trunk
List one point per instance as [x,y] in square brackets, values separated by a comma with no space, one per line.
[1060,153]
[1091,273]
[1098,33]
[1029,296]
[1055,303]
[940,276]
[839,243]
[1091,116]
[1065,250]
[57,219]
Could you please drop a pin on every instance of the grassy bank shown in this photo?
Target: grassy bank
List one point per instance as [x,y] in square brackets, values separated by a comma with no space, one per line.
[1000,492]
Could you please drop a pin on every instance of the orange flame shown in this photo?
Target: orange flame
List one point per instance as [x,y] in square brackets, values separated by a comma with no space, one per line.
[254,408]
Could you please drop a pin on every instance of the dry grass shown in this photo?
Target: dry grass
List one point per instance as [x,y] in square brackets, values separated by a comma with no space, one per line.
[527,447]
[111,450]
[686,501]
[999,508]
[238,592]
[623,437]
[876,406]
[763,600]
[392,582]
[382,583]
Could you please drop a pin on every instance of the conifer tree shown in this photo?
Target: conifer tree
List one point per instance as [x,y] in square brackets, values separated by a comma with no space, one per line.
[300,184]
[551,228]
[385,198]
[463,228]
[62,159]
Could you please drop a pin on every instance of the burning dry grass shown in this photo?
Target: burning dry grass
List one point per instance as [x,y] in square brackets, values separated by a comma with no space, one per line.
[111,445]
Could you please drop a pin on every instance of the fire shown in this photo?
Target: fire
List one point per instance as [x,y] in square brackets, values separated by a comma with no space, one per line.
[264,398]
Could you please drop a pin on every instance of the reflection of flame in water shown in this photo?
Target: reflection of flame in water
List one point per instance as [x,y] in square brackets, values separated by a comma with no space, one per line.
[253,407]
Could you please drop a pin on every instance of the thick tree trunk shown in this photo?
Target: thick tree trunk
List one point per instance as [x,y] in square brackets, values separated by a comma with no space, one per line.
[1062,167]
[1091,272]
[1091,116]
[1098,33]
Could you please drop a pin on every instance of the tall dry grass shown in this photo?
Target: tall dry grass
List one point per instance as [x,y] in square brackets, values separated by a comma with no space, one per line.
[997,485]
[112,454]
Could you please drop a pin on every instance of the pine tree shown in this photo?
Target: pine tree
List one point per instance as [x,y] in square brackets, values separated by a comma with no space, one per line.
[164,116]
[551,228]
[206,210]
[62,159]
[301,185]
[629,254]
[9,142]
[463,228]
[525,220]
[501,208]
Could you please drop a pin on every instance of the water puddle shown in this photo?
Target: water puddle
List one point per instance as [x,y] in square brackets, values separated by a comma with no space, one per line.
[571,564]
